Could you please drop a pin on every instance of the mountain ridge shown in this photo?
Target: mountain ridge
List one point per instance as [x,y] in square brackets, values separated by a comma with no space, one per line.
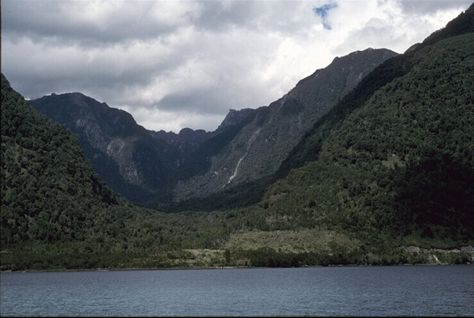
[385,177]
[195,162]
[400,159]
[281,124]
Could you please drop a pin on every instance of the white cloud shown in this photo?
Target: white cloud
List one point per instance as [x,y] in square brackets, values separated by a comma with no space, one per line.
[175,64]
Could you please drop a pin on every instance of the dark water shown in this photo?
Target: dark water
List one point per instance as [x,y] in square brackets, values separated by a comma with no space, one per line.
[404,290]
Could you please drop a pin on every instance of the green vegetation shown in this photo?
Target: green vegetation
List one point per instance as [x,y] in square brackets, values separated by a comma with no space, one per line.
[49,193]
[402,162]
[385,178]
[310,146]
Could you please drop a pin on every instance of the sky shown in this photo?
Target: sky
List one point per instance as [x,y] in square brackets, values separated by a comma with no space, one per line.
[177,64]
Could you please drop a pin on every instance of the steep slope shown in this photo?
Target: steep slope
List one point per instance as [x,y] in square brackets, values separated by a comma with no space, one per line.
[198,161]
[56,214]
[229,166]
[149,167]
[309,147]
[48,191]
[397,155]
[143,166]
[123,153]
[264,142]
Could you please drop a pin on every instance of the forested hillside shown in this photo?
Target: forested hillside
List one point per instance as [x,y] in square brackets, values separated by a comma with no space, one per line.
[56,213]
[49,193]
[403,161]
[386,177]
[310,145]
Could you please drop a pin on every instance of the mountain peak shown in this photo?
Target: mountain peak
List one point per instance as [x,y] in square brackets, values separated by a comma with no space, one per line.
[236,117]
[368,52]
[76,99]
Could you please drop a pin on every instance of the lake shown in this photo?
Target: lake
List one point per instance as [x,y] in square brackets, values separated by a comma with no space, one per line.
[397,290]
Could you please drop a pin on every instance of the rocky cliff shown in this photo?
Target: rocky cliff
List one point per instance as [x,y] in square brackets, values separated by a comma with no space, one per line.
[155,166]
[265,141]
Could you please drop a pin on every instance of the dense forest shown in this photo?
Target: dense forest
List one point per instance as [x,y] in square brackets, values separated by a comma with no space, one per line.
[386,177]
[49,192]
[401,162]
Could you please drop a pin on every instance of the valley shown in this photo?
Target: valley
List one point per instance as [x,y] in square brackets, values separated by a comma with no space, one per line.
[369,161]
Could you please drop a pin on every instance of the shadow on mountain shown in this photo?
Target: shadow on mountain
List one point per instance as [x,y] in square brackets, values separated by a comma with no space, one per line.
[437,194]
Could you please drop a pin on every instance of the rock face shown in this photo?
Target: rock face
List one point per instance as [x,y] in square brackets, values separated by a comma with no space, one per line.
[142,165]
[151,166]
[187,140]
[123,153]
[264,142]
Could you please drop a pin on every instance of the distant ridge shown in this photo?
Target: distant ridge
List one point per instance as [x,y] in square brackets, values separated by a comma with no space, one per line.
[150,167]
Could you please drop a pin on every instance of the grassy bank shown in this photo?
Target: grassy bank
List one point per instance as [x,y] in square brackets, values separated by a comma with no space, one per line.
[69,256]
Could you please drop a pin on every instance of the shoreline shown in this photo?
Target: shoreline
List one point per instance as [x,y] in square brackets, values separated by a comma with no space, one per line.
[132,269]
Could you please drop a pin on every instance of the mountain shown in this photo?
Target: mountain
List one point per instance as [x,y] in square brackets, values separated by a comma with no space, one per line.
[396,155]
[309,146]
[48,191]
[386,176]
[260,146]
[130,160]
[142,165]
[156,166]
[187,140]
[55,211]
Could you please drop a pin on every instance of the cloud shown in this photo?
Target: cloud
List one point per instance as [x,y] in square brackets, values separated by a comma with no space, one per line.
[96,22]
[176,64]
[431,6]
[390,25]
[323,11]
